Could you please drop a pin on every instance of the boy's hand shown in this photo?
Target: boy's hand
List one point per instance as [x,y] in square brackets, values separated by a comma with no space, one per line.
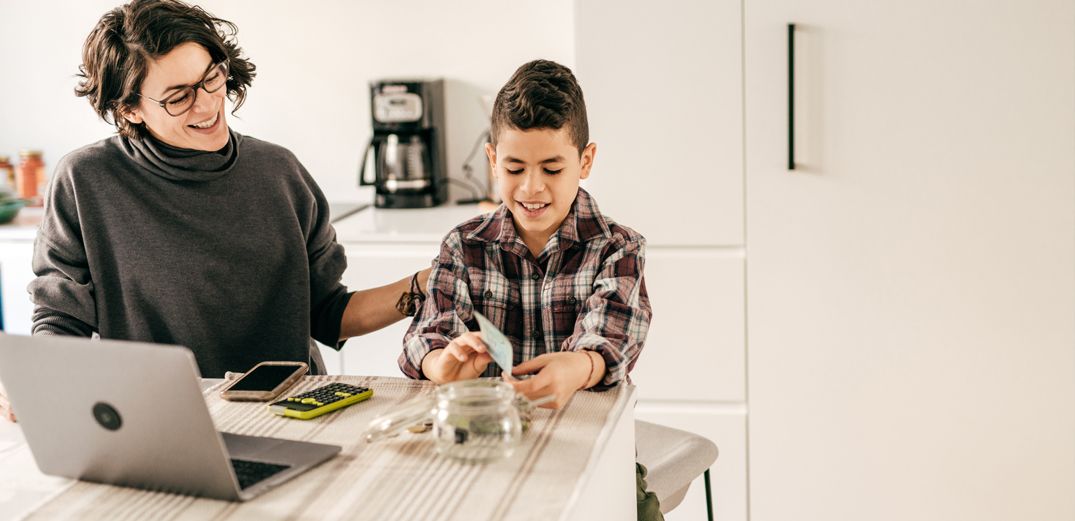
[463,358]
[558,374]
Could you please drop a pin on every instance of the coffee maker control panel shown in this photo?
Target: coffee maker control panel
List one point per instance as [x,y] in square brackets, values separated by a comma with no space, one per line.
[397,107]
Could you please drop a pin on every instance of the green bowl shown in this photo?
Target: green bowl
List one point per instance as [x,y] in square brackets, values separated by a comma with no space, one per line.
[9,209]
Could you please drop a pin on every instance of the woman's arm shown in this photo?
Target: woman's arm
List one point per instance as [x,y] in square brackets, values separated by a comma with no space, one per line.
[371,309]
[63,292]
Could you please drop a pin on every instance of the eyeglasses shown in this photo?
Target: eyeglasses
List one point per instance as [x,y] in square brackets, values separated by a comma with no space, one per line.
[182,100]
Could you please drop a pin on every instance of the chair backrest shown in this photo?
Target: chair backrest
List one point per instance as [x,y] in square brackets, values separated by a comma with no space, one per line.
[673,458]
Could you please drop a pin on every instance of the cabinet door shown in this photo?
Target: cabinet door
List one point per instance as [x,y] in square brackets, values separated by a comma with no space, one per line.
[663,87]
[694,350]
[370,265]
[910,285]
[16,273]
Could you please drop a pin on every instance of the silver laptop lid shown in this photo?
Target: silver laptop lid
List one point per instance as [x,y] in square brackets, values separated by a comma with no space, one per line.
[123,413]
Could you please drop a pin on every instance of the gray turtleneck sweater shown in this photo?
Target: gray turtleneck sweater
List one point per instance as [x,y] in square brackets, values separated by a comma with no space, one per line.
[229,253]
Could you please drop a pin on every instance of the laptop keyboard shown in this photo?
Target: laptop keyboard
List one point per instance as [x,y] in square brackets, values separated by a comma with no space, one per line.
[251,472]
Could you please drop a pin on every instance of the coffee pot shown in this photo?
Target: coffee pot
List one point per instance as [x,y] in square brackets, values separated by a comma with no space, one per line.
[407,146]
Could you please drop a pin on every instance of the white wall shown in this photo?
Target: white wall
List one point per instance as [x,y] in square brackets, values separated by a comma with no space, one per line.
[314,62]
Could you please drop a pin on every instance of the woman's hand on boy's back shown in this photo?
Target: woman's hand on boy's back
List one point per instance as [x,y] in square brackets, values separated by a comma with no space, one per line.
[463,358]
[558,374]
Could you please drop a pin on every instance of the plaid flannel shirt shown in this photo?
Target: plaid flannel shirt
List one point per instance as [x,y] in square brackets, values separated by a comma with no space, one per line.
[585,290]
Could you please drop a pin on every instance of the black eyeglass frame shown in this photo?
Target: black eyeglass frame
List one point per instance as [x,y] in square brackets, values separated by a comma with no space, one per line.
[194,88]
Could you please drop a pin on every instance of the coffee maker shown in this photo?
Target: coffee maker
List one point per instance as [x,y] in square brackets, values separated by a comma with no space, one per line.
[407,146]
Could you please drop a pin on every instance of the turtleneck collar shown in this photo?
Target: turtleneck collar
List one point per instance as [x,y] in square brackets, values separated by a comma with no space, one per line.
[181,164]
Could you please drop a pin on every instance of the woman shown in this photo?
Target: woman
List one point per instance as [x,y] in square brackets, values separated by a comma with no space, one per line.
[179,230]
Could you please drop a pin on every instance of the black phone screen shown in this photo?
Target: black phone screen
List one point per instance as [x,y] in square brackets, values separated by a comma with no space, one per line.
[264,378]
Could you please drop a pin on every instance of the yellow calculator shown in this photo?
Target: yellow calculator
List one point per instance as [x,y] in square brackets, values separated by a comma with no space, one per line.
[326,398]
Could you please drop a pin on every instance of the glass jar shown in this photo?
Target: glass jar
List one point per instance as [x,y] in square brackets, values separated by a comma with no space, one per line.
[31,173]
[7,172]
[476,420]
[472,420]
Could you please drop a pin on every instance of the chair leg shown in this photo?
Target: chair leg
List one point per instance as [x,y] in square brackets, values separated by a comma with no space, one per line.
[708,496]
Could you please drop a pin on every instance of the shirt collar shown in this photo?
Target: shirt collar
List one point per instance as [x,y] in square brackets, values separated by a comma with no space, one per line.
[583,223]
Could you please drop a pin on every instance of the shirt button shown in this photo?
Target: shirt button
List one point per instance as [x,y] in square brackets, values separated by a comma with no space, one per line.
[536,335]
[488,294]
[571,300]
[534,276]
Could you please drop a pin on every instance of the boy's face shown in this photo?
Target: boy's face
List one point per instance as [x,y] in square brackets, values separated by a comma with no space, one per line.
[538,172]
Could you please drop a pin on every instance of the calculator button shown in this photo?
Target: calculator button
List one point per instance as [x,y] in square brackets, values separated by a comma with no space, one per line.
[318,401]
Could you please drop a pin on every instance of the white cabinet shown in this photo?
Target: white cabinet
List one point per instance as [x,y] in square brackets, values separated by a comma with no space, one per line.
[376,264]
[663,85]
[16,272]
[910,286]
[694,351]
[663,91]
[382,247]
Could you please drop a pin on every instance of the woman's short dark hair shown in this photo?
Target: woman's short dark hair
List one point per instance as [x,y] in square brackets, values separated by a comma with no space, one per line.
[117,53]
[541,94]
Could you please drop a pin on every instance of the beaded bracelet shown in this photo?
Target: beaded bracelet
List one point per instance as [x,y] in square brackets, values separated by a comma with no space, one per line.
[589,376]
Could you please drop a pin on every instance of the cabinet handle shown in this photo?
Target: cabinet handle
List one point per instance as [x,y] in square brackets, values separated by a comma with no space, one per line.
[791,96]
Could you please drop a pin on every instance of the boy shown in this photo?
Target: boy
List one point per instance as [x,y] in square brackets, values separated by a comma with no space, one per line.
[564,283]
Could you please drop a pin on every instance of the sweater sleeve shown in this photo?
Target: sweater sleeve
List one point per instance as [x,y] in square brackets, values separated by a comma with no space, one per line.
[63,292]
[328,295]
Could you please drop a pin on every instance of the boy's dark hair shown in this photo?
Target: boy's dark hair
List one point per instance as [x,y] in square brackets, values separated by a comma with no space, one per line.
[541,94]
[117,52]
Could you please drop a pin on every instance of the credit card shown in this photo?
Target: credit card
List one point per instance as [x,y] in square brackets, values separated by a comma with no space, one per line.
[499,345]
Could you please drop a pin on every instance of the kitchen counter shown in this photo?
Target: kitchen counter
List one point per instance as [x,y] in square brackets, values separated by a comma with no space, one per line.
[382,245]
[412,225]
[24,227]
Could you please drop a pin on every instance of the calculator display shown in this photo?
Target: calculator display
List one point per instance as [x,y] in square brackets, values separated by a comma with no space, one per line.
[264,377]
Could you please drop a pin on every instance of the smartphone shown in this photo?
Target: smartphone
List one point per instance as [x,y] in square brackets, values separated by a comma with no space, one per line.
[265,381]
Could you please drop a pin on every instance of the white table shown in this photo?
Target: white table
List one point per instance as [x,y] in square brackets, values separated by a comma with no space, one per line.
[568,468]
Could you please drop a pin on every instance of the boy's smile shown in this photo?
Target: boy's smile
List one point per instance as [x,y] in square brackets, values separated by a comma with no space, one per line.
[538,172]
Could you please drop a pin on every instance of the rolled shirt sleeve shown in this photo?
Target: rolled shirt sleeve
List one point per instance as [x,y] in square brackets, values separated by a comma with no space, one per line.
[615,318]
[441,317]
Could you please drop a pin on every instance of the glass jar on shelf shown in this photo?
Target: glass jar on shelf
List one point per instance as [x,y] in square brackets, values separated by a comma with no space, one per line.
[30,175]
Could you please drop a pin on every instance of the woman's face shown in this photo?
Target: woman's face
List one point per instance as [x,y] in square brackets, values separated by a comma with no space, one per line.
[203,127]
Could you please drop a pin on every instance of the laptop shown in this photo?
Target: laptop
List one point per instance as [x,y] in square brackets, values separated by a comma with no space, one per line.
[133,414]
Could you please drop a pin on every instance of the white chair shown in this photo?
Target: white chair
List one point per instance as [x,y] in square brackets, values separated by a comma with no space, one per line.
[674,458]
